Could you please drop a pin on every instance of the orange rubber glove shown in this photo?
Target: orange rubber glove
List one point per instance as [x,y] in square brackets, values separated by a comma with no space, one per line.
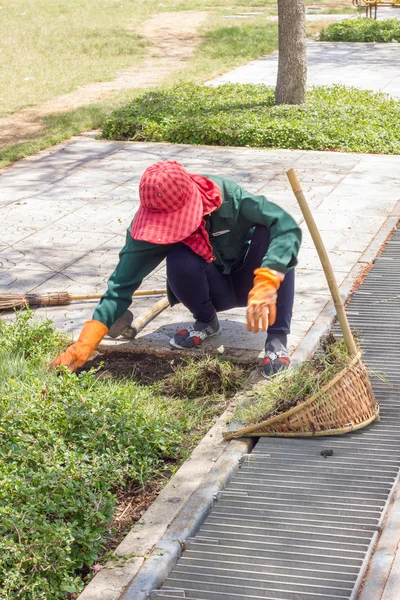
[262,299]
[76,355]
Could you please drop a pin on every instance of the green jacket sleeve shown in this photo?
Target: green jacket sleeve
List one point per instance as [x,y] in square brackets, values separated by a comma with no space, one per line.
[136,260]
[284,231]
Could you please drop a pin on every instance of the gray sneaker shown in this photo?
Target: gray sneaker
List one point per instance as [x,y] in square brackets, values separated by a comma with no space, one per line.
[276,357]
[193,336]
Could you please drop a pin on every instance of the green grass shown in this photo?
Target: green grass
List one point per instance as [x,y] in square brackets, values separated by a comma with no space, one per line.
[286,390]
[67,443]
[337,11]
[334,118]
[58,128]
[244,42]
[362,30]
[49,48]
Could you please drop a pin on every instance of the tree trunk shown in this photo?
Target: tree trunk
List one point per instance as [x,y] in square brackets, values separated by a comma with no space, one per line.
[292,60]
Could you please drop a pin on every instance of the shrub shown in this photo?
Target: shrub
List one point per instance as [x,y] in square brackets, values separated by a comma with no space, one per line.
[67,442]
[334,117]
[362,30]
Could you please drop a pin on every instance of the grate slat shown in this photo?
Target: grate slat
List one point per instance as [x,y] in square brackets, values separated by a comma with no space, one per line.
[293,525]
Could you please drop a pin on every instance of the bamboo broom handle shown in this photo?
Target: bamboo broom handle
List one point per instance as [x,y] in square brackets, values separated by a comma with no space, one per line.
[326,264]
[135,294]
[150,314]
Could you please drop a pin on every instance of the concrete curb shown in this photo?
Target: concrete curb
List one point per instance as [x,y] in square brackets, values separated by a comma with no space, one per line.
[205,472]
[151,549]
[378,573]
[170,547]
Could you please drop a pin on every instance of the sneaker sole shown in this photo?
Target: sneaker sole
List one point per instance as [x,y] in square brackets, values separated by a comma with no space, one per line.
[175,345]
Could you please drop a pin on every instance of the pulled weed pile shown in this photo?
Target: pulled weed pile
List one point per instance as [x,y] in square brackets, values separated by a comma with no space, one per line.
[208,377]
[286,390]
[68,445]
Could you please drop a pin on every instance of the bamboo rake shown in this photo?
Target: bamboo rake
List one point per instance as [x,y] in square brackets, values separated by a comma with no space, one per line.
[326,263]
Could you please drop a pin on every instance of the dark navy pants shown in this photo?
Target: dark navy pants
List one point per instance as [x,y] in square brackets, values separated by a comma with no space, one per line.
[204,290]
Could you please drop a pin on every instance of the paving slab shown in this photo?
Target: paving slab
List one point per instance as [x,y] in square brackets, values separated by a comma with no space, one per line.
[65,212]
[368,66]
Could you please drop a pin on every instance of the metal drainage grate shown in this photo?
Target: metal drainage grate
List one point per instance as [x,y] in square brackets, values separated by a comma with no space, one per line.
[293,525]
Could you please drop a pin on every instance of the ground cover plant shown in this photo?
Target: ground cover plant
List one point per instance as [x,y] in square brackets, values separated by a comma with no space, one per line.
[334,118]
[288,389]
[362,30]
[69,443]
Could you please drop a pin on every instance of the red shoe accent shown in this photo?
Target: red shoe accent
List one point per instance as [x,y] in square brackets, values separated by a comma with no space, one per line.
[284,360]
[182,332]
[267,361]
[196,340]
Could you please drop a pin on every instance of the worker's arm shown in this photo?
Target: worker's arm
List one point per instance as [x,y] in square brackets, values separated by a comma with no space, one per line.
[136,260]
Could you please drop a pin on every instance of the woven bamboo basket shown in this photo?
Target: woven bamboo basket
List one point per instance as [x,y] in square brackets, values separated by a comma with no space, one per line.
[345,404]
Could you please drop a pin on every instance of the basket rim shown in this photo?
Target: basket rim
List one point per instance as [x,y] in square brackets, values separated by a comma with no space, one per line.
[306,402]
[323,433]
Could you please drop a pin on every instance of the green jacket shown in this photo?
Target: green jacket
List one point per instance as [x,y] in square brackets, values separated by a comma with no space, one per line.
[236,218]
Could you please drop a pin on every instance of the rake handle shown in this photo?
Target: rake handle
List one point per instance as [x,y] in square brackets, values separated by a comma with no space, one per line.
[74,297]
[150,314]
[326,263]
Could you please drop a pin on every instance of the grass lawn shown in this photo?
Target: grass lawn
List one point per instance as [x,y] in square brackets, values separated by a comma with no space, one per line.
[71,444]
[49,49]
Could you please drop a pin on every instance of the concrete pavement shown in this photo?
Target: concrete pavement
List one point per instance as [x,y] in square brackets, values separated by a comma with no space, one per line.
[368,66]
[65,212]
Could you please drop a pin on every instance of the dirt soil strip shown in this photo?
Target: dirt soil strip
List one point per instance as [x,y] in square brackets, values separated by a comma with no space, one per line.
[172,38]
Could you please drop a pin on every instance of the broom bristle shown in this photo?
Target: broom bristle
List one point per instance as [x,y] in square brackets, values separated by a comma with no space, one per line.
[9,301]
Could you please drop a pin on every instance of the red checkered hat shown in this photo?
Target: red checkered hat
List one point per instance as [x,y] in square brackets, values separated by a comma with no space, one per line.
[171,206]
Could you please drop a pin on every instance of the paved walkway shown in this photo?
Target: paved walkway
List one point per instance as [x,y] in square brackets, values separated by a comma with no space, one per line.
[368,66]
[64,214]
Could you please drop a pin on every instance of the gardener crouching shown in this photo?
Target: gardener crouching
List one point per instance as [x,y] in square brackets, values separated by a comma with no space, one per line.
[224,247]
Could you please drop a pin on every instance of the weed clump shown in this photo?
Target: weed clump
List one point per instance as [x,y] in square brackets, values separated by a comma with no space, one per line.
[291,387]
[208,376]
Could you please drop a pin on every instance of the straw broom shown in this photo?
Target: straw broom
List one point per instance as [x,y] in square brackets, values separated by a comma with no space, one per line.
[10,301]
